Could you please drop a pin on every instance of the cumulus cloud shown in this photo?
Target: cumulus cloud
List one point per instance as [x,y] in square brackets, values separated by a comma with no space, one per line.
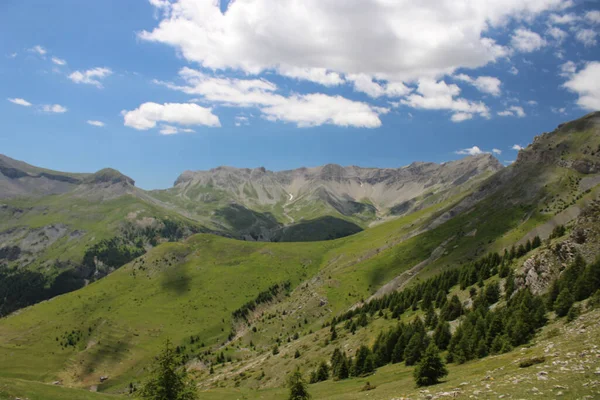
[39,50]
[587,37]
[558,34]
[147,115]
[586,84]
[21,102]
[496,151]
[471,151]
[91,76]
[172,130]
[565,19]
[313,39]
[53,108]
[99,124]
[432,95]
[317,75]
[558,110]
[241,120]
[532,102]
[485,84]
[517,147]
[513,111]
[567,69]
[593,17]
[513,70]
[58,61]
[303,109]
[365,84]
[526,41]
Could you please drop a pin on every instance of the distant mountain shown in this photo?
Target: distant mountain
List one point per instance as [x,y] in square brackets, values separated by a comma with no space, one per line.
[355,194]
[244,314]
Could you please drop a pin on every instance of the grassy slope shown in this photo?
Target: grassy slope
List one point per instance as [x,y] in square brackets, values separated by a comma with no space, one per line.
[97,220]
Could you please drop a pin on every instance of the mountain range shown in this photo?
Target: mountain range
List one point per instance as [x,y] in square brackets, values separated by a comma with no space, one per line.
[126,268]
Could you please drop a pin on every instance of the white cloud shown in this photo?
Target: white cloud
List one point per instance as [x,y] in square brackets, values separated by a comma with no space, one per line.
[172,130]
[39,50]
[564,19]
[472,151]
[556,110]
[318,109]
[593,17]
[517,147]
[532,103]
[432,95]
[526,41]
[496,151]
[96,123]
[558,34]
[12,55]
[396,41]
[485,84]
[317,75]
[513,70]
[586,84]
[53,108]
[460,117]
[241,120]
[305,110]
[148,114]
[91,76]
[587,37]
[567,69]
[513,111]
[21,102]
[365,84]
[58,61]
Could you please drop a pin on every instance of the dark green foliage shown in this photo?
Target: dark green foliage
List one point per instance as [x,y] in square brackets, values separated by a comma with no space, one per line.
[363,363]
[21,287]
[573,313]
[297,354]
[263,297]
[431,367]
[442,335]
[168,381]
[531,361]
[297,386]
[452,310]
[563,302]
[323,372]
[536,242]
[558,231]
[114,252]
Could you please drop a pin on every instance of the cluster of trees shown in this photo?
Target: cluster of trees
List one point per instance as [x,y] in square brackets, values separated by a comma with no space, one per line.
[21,287]
[578,282]
[114,252]
[263,297]
[433,292]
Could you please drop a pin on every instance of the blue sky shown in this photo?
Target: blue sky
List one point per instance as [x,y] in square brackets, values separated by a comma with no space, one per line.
[153,88]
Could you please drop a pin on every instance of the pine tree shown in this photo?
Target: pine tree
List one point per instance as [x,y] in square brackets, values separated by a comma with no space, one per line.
[431,367]
[563,302]
[442,335]
[414,348]
[167,381]
[323,372]
[298,388]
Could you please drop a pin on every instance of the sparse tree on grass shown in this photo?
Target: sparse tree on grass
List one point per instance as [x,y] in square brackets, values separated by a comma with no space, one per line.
[168,381]
[298,387]
[431,367]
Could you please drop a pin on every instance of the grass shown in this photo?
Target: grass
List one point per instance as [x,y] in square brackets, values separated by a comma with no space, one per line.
[11,389]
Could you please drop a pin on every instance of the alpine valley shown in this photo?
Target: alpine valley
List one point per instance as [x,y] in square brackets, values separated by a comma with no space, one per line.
[346,274]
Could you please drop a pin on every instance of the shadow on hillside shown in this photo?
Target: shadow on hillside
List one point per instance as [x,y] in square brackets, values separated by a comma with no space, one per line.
[176,279]
[107,351]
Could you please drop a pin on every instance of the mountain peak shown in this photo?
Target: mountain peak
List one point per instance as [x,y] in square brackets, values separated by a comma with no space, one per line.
[109,175]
